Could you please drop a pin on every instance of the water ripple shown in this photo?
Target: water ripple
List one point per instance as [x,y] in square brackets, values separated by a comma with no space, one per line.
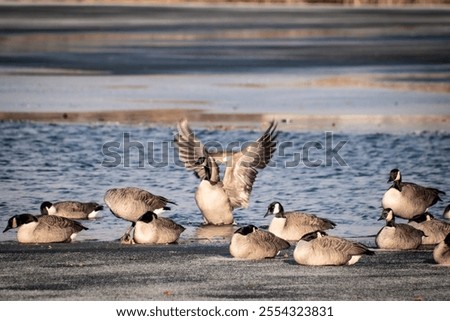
[55,162]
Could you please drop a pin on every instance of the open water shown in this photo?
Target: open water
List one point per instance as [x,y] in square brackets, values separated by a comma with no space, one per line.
[54,162]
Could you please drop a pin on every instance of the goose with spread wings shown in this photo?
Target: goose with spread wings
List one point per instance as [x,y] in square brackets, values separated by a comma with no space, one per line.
[217,198]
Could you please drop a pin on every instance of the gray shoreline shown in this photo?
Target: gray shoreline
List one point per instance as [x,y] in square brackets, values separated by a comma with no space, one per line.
[110,271]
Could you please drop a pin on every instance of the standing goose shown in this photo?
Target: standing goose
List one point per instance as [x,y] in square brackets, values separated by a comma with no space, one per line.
[408,199]
[153,229]
[130,203]
[291,226]
[44,228]
[217,199]
[397,236]
[435,230]
[71,209]
[441,253]
[251,243]
[317,248]
[211,197]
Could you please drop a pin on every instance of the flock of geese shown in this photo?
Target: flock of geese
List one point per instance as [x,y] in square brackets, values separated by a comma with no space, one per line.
[217,197]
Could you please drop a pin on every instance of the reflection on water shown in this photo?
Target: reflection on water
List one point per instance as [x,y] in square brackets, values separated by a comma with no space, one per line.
[53,162]
[211,233]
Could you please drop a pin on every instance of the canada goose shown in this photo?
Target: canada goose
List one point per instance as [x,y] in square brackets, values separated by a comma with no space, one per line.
[446,213]
[211,197]
[435,230]
[217,199]
[291,226]
[408,199]
[251,243]
[71,209]
[441,252]
[317,248]
[130,203]
[44,228]
[397,236]
[153,229]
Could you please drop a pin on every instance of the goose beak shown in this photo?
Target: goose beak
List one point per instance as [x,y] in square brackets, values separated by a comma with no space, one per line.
[267,213]
[7,228]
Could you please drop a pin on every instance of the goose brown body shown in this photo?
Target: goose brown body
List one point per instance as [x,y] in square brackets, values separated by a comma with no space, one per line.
[435,230]
[317,248]
[44,228]
[154,229]
[71,209]
[397,236]
[251,243]
[293,225]
[130,203]
[441,253]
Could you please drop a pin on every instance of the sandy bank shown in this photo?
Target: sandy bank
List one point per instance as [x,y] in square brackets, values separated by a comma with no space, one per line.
[168,117]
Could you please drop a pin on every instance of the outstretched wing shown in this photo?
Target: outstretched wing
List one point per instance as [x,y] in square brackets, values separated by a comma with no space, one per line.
[191,151]
[241,173]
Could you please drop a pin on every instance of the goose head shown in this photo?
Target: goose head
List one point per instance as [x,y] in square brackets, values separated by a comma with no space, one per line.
[19,220]
[246,230]
[47,208]
[275,208]
[395,176]
[148,217]
[313,235]
[422,218]
[388,215]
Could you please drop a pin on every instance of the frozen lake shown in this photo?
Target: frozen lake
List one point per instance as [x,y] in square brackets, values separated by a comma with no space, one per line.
[294,59]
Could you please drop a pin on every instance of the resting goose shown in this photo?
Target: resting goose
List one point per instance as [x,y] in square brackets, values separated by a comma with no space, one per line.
[434,229]
[441,253]
[291,226]
[397,236]
[318,248]
[44,228]
[218,198]
[71,209]
[251,243]
[408,199]
[153,229]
